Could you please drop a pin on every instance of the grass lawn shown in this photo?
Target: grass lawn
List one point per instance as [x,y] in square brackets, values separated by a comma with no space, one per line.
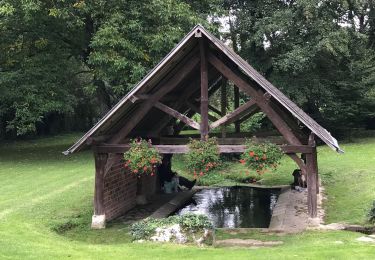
[46,207]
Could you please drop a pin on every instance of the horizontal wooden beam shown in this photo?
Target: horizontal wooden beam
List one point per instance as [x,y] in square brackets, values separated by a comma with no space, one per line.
[172,148]
[177,115]
[279,140]
[234,115]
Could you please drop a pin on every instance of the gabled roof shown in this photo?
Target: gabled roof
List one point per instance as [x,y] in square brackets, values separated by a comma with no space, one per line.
[122,111]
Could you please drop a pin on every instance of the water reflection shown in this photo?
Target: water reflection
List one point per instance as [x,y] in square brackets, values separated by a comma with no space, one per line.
[233,207]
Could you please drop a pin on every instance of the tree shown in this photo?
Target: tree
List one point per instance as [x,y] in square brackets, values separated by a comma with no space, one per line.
[313,50]
[57,57]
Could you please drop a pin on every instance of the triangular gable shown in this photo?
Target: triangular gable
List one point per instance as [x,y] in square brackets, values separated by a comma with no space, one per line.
[176,54]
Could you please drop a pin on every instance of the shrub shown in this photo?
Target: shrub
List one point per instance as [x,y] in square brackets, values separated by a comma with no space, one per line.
[260,157]
[203,156]
[243,178]
[144,229]
[372,214]
[194,222]
[141,158]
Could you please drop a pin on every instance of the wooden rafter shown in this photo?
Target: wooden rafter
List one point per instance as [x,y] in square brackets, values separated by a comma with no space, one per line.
[214,109]
[234,115]
[196,109]
[167,87]
[178,115]
[250,114]
[262,103]
[236,94]
[179,103]
[299,161]
[223,105]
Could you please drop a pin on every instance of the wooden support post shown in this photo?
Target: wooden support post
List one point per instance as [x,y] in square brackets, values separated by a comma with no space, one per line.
[315,159]
[204,89]
[223,105]
[98,220]
[312,172]
[237,125]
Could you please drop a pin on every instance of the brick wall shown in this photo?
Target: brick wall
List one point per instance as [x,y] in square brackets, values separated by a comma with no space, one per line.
[120,188]
[150,185]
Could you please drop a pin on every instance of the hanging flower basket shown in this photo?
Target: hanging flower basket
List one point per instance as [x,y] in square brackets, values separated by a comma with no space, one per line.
[260,157]
[141,158]
[203,156]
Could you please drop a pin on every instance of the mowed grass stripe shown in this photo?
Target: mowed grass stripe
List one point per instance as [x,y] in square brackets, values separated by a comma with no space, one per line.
[31,203]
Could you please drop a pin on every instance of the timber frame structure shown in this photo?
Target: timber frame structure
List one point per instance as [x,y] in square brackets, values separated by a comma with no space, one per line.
[164,102]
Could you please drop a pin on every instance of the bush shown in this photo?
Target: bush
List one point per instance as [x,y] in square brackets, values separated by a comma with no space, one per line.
[203,156]
[242,178]
[260,157]
[372,214]
[141,158]
[194,222]
[144,229]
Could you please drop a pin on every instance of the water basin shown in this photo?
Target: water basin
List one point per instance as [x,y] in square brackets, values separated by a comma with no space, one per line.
[234,207]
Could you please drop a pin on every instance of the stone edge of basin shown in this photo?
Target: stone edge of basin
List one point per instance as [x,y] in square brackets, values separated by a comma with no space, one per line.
[174,204]
[279,211]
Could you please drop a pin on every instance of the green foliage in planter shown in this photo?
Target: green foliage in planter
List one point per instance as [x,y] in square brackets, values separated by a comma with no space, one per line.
[144,229]
[260,157]
[203,156]
[141,158]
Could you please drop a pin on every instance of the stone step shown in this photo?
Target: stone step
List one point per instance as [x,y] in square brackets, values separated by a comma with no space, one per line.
[236,242]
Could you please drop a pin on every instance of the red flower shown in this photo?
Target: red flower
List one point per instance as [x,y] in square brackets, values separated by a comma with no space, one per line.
[135,171]
[251,153]
[242,161]
[201,173]
[145,168]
